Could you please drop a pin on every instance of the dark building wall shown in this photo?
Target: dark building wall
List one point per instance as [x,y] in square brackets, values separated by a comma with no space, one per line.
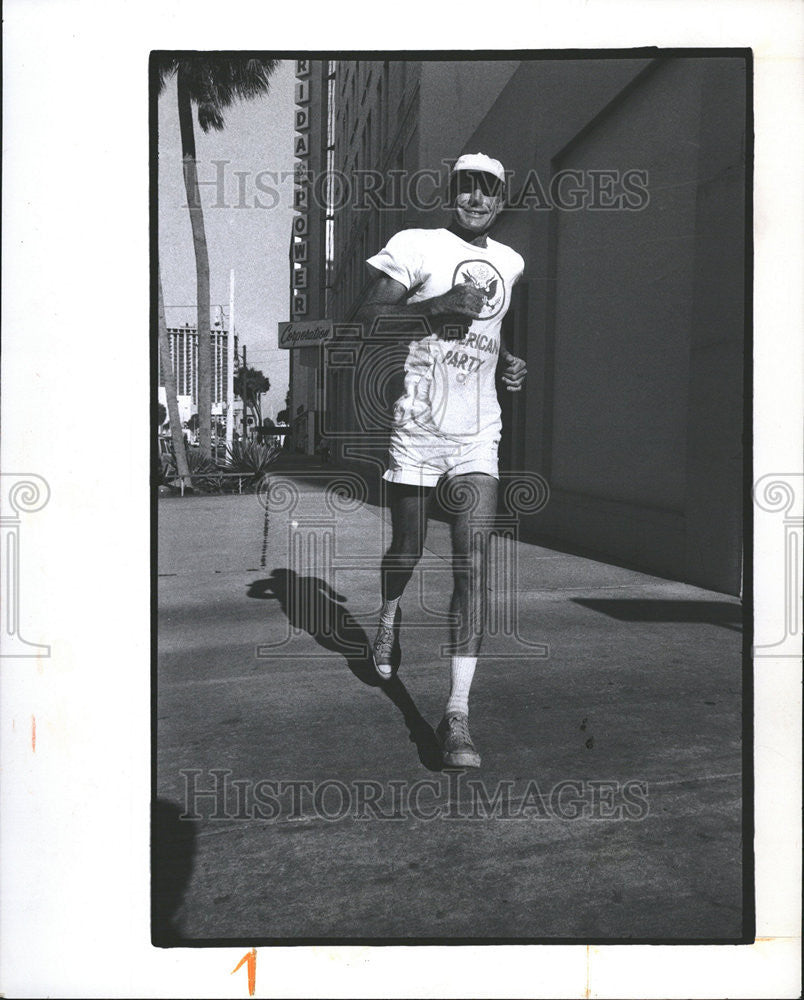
[459,96]
[715,456]
[631,321]
[635,318]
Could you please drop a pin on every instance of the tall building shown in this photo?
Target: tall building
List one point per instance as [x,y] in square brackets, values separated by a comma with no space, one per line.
[184,356]
[627,191]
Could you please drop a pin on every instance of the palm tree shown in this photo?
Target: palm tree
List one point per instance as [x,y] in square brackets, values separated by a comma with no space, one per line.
[250,384]
[170,391]
[213,83]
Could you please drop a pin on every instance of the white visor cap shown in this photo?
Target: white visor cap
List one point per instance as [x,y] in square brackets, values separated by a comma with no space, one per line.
[480,162]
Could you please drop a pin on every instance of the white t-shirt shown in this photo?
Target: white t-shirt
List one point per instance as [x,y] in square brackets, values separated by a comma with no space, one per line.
[449,384]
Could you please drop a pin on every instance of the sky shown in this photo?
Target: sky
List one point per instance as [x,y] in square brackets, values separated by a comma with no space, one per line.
[247,228]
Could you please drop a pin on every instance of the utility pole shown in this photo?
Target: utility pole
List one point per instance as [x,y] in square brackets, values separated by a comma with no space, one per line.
[230,363]
[244,394]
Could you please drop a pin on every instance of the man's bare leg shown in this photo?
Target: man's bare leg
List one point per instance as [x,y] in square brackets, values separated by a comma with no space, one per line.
[408,505]
[473,500]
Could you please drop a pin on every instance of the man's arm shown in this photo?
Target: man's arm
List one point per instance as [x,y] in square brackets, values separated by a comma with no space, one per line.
[457,307]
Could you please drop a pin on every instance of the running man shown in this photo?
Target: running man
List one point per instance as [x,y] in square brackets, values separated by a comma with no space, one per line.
[452,287]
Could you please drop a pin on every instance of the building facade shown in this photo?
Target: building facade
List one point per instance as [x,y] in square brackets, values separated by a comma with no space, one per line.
[627,184]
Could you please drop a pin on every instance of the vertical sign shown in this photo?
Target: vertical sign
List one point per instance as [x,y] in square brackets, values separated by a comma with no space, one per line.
[301,204]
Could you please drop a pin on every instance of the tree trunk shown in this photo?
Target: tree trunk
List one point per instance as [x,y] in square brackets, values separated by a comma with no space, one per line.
[170,391]
[201,266]
[254,406]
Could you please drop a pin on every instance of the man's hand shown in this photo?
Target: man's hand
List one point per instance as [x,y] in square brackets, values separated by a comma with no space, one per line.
[514,371]
[460,300]
[452,313]
[449,314]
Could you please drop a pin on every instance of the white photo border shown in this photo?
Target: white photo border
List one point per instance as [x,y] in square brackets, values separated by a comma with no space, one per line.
[75,904]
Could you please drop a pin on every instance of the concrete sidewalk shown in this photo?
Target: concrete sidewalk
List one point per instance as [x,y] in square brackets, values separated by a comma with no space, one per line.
[264,621]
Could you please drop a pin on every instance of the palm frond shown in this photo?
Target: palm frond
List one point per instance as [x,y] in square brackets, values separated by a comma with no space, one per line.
[216,82]
[166,67]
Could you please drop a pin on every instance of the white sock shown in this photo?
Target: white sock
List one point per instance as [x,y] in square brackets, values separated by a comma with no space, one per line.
[462,671]
[388,613]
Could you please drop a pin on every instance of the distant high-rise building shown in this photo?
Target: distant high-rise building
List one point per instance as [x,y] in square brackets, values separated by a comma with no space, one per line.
[184,355]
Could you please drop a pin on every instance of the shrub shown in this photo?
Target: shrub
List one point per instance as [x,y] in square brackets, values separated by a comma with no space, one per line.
[197,465]
[253,458]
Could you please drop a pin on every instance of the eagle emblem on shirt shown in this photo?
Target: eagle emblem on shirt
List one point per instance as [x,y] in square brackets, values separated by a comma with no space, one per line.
[487,279]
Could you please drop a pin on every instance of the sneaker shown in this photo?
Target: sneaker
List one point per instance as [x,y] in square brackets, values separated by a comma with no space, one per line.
[457,748]
[386,652]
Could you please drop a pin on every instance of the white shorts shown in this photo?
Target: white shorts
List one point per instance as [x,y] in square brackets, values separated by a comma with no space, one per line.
[421,458]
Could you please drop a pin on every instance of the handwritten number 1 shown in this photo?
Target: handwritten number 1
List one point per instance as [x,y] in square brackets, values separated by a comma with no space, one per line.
[250,960]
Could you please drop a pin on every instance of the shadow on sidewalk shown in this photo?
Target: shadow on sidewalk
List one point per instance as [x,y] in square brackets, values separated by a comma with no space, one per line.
[727,615]
[310,604]
[173,848]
